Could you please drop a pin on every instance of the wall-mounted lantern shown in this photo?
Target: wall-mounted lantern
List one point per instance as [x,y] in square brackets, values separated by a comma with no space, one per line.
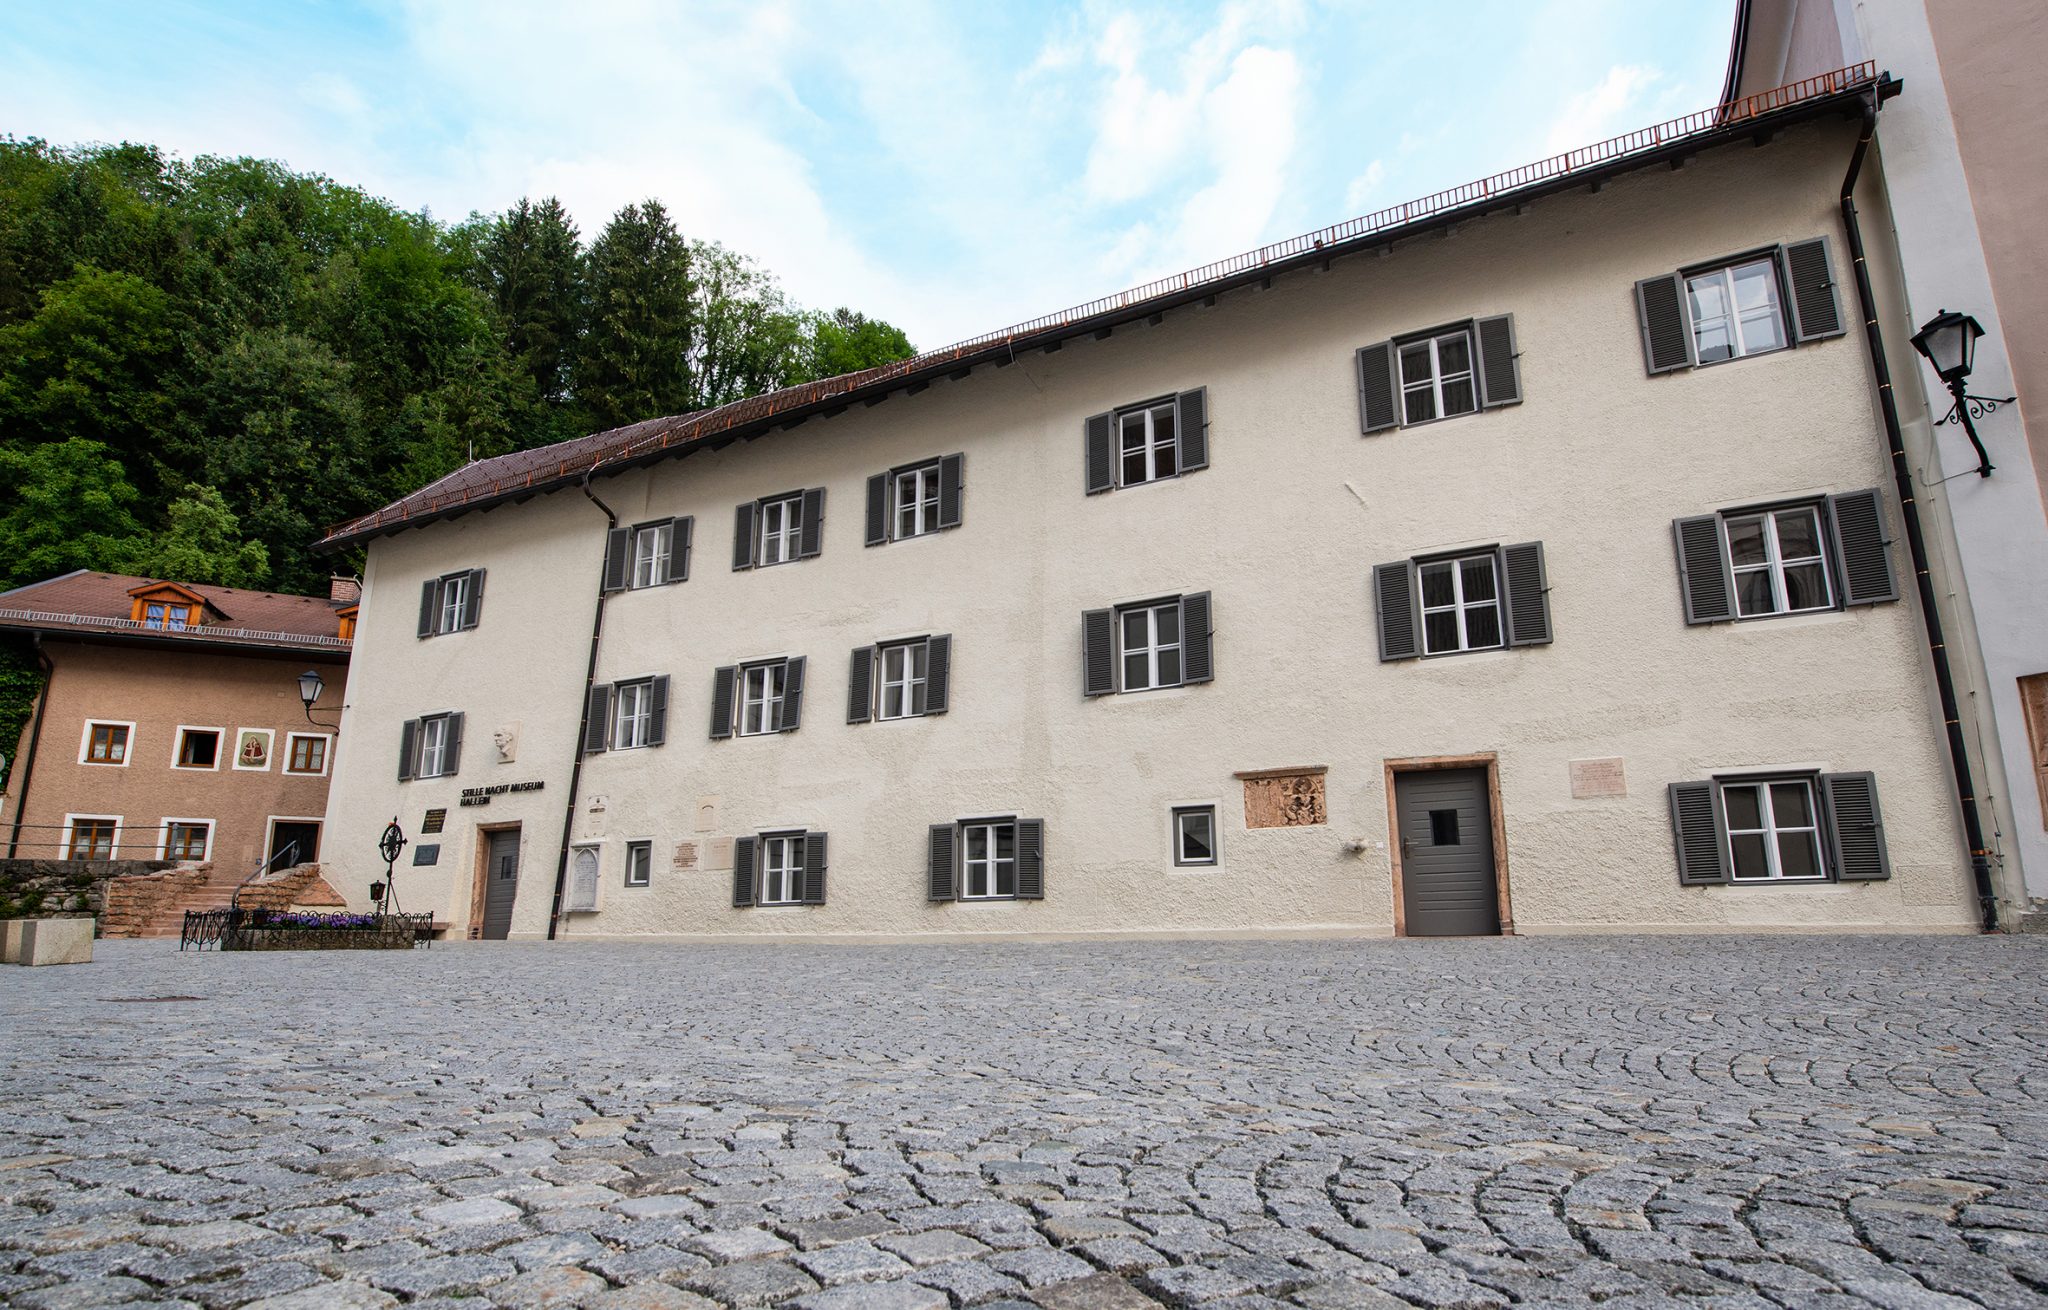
[1948,341]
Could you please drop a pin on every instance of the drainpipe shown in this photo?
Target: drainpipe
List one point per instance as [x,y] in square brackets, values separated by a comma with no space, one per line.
[1916,541]
[583,714]
[35,737]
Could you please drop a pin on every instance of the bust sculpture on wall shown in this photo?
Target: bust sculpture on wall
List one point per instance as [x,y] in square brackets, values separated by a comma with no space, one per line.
[506,739]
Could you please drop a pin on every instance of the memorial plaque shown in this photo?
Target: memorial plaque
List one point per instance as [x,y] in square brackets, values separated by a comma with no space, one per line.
[686,855]
[1593,779]
[429,854]
[434,821]
[718,853]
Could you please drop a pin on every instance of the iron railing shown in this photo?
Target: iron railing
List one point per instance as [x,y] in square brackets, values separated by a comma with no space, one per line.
[236,929]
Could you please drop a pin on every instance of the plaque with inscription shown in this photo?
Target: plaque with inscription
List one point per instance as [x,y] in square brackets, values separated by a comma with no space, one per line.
[686,855]
[434,820]
[428,854]
[718,853]
[1594,779]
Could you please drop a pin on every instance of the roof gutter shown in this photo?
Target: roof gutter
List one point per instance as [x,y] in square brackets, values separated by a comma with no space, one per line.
[611,521]
[35,738]
[1916,540]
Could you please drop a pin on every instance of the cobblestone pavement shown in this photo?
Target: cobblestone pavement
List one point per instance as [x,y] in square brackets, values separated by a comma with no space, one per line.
[1721,1122]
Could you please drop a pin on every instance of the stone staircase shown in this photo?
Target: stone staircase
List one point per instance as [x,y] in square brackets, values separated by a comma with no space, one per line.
[154,904]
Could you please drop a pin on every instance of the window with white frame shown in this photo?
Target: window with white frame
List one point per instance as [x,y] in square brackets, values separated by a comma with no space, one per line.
[187,839]
[453,601]
[1779,561]
[639,863]
[781,530]
[782,869]
[1736,310]
[166,617]
[1149,645]
[106,743]
[988,860]
[1460,603]
[1436,376]
[916,501]
[1147,447]
[433,747]
[198,748]
[651,545]
[92,837]
[632,714]
[1774,830]
[306,753]
[761,691]
[904,670]
[1194,835]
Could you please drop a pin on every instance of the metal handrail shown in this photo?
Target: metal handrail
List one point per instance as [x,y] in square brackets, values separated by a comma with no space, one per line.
[290,849]
[197,630]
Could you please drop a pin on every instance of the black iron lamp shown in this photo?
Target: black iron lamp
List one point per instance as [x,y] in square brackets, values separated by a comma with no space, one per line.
[1948,341]
[311,684]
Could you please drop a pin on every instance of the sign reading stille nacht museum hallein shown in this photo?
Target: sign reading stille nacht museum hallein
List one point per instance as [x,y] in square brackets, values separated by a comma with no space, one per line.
[482,795]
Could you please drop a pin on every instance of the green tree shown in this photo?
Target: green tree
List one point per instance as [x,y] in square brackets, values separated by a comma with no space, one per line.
[635,360]
[203,543]
[68,506]
[845,341]
[530,264]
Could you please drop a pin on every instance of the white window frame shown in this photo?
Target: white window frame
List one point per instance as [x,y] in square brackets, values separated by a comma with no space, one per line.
[127,744]
[1214,813]
[451,599]
[774,686]
[1725,273]
[1774,561]
[269,736]
[1767,810]
[631,731]
[992,863]
[644,848]
[220,747]
[291,741]
[71,832]
[788,869]
[162,620]
[787,534]
[419,746]
[1459,605]
[920,506]
[652,543]
[163,838]
[1152,648]
[1157,449]
[910,680]
[1434,383]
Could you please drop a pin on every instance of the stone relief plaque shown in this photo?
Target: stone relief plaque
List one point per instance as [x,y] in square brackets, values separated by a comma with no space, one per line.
[1284,798]
[1594,779]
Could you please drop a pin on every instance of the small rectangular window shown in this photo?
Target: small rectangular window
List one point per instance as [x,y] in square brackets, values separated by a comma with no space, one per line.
[433,746]
[782,869]
[1149,645]
[780,531]
[639,863]
[904,669]
[1436,376]
[1194,835]
[1147,446]
[1460,604]
[916,501]
[106,743]
[761,692]
[632,714]
[198,748]
[93,838]
[1773,830]
[308,754]
[988,865]
[1778,560]
[1736,310]
[454,596]
[651,554]
[186,841]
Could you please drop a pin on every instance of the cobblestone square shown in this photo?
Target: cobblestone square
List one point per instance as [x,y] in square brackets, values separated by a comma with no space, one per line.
[1629,1121]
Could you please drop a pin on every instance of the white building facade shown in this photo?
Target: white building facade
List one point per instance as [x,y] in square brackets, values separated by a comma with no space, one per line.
[1530,566]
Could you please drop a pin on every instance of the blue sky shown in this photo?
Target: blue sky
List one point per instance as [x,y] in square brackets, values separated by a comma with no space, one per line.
[949,167]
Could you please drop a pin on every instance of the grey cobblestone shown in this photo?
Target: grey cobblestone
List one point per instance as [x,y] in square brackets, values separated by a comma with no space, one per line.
[1777,1123]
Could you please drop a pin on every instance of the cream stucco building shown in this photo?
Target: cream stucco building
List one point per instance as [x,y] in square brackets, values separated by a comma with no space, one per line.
[1525,559]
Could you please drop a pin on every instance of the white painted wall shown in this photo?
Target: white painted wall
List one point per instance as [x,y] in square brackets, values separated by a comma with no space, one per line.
[1283,529]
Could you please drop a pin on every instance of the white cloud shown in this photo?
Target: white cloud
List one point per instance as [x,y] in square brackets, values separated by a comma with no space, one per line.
[1606,110]
[1358,197]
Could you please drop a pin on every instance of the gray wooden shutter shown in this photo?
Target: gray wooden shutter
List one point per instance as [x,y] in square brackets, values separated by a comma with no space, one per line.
[1098,652]
[1697,828]
[878,509]
[1660,311]
[1855,827]
[952,487]
[814,868]
[617,542]
[1101,454]
[408,743]
[1398,605]
[743,535]
[789,711]
[860,685]
[451,759]
[1704,580]
[473,599]
[657,723]
[938,673]
[941,881]
[1378,396]
[1862,547]
[680,533]
[1031,859]
[742,872]
[811,532]
[1528,594]
[597,719]
[1810,277]
[1500,369]
[722,682]
[430,605]
[1191,428]
[1196,629]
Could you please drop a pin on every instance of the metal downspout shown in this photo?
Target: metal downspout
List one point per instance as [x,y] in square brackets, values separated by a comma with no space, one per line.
[583,714]
[1916,541]
[35,737]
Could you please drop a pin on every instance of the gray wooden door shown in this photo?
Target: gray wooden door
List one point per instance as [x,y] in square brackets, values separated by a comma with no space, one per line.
[1447,879]
[501,883]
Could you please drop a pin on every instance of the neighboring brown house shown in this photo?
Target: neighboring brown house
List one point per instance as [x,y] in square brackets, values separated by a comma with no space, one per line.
[170,724]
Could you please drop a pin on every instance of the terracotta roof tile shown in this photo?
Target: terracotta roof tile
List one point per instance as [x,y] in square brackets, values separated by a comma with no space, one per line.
[85,601]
